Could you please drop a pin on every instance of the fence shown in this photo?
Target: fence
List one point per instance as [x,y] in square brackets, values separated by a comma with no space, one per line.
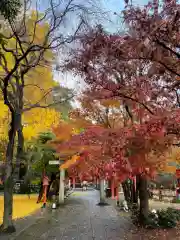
[23,188]
[165,195]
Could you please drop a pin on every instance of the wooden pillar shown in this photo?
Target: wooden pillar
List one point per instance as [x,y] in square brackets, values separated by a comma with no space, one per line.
[112,188]
[102,192]
[61,186]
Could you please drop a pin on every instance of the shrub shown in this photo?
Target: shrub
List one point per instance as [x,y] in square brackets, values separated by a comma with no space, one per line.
[152,221]
[175,200]
[163,219]
[135,215]
[167,218]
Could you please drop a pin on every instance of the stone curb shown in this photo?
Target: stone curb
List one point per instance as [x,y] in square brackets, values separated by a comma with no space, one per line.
[68,194]
[22,224]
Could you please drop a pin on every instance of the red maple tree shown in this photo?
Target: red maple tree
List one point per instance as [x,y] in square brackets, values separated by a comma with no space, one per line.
[141,69]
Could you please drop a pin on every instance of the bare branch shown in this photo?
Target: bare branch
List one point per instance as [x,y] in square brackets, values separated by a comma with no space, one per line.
[38,105]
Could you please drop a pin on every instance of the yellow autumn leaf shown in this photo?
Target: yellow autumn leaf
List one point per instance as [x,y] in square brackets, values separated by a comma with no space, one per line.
[4,120]
[23,206]
[39,120]
[38,84]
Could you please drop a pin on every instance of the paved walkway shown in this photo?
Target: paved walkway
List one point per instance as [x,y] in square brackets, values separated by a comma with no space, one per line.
[79,219]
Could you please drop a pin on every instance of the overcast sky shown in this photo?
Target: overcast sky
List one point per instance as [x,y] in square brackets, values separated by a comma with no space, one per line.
[113,25]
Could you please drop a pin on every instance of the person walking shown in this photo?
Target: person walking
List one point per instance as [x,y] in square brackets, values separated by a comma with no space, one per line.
[84,185]
[41,189]
[53,189]
[40,192]
[45,189]
[53,177]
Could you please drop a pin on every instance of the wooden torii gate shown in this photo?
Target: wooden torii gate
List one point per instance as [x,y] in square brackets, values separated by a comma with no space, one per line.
[62,168]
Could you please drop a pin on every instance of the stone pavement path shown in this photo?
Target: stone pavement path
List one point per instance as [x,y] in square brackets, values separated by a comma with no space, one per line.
[80,219]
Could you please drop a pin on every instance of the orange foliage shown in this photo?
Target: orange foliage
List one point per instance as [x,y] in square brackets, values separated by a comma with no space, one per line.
[63,131]
[70,162]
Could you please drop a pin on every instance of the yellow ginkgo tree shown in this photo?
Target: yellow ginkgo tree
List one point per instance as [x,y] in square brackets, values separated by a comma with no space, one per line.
[4,120]
[26,79]
[39,120]
[4,123]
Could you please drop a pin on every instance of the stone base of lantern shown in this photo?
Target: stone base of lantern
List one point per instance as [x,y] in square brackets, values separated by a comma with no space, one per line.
[103,204]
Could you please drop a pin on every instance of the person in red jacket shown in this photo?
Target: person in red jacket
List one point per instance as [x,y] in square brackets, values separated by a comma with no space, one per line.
[45,188]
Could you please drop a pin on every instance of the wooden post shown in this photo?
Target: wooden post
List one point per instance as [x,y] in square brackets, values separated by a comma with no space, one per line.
[94,182]
[74,182]
[69,183]
[117,194]
[97,183]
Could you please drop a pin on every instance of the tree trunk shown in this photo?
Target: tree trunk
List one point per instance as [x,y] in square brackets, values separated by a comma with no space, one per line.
[7,225]
[19,129]
[20,149]
[144,199]
[126,190]
[117,194]
[20,144]
[134,193]
[130,193]
[137,186]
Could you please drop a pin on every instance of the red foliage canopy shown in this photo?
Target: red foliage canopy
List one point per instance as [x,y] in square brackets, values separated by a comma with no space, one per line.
[124,151]
[141,69]
[144,62]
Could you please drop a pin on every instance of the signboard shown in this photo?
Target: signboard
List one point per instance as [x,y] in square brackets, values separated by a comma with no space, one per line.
[55,162]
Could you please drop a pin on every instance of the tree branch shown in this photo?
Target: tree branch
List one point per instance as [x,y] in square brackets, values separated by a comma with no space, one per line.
[168,48]
[38,105]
